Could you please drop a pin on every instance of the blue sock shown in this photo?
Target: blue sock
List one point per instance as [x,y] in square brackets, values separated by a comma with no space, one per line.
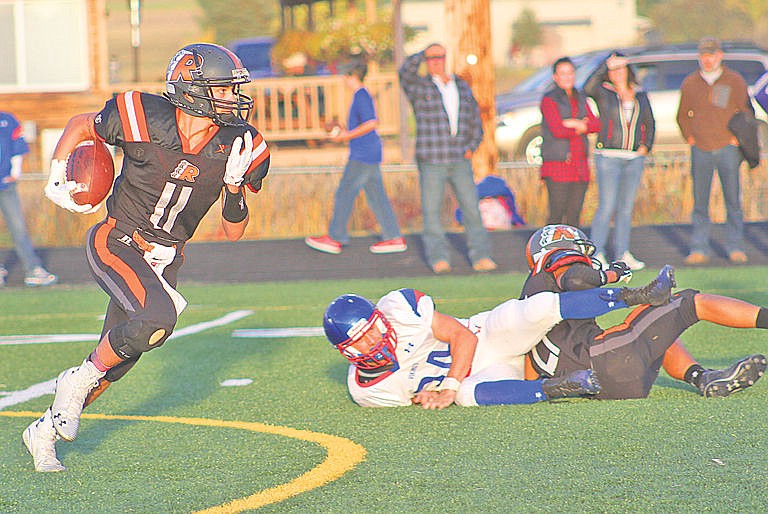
[590,303]
[505,392]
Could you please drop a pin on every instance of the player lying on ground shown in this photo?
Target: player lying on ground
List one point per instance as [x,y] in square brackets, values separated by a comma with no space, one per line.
[183,152]
[402,351]
[626,358]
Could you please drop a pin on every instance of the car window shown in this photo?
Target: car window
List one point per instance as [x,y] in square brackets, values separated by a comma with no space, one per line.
[750,70]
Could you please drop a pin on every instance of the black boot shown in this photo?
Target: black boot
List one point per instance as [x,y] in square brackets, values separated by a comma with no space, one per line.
[657,292]
[576,384]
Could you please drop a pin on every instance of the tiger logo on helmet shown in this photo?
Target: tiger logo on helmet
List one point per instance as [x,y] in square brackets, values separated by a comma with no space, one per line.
[553,237]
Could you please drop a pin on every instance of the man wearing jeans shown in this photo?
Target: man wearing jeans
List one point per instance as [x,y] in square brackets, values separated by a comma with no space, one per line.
[709,97]
[448,131]
[12,150]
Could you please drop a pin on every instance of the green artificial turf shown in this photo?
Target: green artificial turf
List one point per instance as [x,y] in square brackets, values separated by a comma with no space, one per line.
[672,452]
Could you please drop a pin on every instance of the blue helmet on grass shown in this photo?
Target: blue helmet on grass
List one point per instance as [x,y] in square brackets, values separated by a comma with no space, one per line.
[349,321]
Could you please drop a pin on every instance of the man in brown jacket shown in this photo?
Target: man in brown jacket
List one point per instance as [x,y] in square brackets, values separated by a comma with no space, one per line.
[709,97]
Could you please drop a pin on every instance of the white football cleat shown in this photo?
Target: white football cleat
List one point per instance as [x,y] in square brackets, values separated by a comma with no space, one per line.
[72,387]
[40,441]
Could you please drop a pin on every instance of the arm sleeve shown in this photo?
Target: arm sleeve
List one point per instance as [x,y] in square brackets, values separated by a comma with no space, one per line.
[580,276]
[648,120]
[19,145]
[551,117]
[476,122]
[409,75]
[683,121]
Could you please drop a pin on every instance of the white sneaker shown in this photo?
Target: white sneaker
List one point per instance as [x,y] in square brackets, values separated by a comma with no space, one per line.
[40,276]
[72,387]
[629,259]
[40,440]
[3,274]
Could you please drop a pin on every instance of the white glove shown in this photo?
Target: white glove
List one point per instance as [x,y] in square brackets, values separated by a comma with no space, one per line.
[57,189]
[237,162]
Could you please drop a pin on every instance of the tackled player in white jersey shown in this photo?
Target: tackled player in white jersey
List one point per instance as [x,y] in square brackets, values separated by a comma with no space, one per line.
[402,351]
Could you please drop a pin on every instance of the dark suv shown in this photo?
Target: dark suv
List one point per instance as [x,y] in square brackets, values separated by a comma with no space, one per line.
[660,71]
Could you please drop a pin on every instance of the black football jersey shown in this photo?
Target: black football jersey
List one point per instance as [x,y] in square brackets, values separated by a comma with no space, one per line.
[565,348]
[165,187]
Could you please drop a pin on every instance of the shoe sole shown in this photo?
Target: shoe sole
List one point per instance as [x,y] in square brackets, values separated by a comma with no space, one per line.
[744,375]
[324,249]
[397,249]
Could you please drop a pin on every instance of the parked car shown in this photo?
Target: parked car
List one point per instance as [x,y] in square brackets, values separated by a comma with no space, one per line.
[256,54]
[660,71]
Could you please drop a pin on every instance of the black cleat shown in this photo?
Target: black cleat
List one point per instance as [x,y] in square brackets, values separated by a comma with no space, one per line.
[657,292]
[576,384]
[719,383]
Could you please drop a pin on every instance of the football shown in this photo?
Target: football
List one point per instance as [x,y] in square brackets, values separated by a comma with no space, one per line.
[91,167]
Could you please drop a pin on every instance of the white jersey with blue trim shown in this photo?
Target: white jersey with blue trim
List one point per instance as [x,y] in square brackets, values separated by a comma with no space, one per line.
[422,358]
[505,334]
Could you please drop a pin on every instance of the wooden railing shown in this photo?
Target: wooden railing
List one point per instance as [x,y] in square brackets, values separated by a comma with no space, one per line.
[298,108]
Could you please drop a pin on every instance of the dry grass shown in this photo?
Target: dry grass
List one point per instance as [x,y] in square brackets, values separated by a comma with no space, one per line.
[295,204]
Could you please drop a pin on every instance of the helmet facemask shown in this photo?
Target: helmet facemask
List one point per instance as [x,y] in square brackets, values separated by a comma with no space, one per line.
[380,354]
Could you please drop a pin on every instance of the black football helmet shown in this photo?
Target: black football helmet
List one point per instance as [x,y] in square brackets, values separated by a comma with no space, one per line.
[194,70]
[551,237]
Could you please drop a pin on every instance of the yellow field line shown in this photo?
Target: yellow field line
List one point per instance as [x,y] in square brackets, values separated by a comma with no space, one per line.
[343,455]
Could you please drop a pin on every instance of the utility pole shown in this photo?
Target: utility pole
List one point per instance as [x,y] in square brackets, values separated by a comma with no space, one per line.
[469,46]
[135,6]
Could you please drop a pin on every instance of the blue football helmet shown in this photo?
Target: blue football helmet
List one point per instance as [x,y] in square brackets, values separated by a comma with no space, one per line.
[347,320]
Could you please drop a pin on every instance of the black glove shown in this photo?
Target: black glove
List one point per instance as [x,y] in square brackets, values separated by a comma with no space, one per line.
[623,273]
[253,178]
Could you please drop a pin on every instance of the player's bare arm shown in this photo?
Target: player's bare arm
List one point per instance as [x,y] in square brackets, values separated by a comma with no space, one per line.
[462,344]
[79,128]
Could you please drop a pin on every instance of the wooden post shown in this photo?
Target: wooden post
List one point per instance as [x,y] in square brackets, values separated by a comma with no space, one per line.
[469,48]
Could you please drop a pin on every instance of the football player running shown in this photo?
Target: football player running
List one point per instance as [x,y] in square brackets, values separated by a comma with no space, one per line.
[182,152]
[626,358]
[402,351]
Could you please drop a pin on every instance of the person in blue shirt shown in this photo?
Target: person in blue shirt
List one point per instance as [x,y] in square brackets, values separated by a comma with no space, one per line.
[13,147]
[362,171]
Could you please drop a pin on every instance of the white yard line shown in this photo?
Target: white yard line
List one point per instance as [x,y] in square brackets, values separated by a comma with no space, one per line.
[256,333]
[9,398]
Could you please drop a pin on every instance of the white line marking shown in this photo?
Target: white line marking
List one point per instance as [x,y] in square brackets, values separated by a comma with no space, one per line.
[257,333]
[47,338]
[49,386]
[35,391]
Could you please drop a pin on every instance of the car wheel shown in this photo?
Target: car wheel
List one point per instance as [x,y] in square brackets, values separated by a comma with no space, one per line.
[529,149]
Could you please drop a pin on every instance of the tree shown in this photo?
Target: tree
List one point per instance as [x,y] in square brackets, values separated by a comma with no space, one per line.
[256,18]
[527,33]
[676,21]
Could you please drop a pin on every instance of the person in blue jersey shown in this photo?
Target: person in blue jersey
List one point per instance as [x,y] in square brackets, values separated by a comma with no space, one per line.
[13,147]
[402,351]
[362,171]
[183,152]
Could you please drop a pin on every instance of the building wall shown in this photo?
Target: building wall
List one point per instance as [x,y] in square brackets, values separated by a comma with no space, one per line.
[571,27]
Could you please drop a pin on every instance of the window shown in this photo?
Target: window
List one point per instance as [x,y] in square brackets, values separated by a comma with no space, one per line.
[43,45]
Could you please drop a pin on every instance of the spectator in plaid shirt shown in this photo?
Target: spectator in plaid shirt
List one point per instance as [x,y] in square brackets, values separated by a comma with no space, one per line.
[567,121]
[448,131]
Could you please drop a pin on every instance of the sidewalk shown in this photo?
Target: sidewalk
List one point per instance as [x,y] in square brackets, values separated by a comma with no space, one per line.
[287,260]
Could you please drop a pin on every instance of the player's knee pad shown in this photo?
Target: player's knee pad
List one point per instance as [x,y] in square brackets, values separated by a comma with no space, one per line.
[138,336]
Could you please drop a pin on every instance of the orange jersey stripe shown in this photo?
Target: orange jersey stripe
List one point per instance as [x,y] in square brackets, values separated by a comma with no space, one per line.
[260,150]
[122,269]
[624,325]
[132,117]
